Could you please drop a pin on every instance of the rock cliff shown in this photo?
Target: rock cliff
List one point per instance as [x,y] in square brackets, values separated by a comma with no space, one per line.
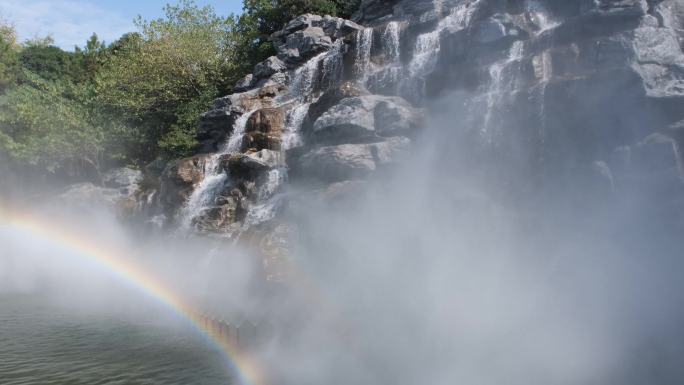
[554,88]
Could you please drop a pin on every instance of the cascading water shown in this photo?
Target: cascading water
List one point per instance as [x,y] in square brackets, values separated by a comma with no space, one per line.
[391,43]
[325,71]
[292,136]
[303,80]
[267,198]
[309,81]
[332,67]
[204,195]
[385,77]
[427,48]
[362,63]
[500,84]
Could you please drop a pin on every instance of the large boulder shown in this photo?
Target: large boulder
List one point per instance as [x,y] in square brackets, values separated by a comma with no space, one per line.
[218,124]
[252,165]
[621,7]
[496,28]
[271,120]
[118,192]
[268,67]
[264,130]
[351,119]
[126,179]
[179,180]
[660,62]
[334,27]
[329,99]
[308,35]
[351,161]
[225,216]
[90,196]
[363,118]
[303,45]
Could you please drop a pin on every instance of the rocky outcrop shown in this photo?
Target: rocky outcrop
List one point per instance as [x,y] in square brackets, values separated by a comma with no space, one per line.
[117,193]
[252,165]
[309,35]
[218,124]
[592,89]
[351,161]
[247,134]
[178,181]
[264,130]
[126,180]
[366,118]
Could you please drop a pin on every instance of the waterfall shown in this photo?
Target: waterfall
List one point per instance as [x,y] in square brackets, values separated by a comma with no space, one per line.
[498,85]
[332,66]
[325,71]
[292,135]
[428,46]
[318,74]
[204,195]
[267,198]
[234,143]
[364,43]
[390,42]
[303,80]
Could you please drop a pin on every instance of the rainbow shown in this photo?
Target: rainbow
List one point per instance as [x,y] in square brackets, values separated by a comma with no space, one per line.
[246,370]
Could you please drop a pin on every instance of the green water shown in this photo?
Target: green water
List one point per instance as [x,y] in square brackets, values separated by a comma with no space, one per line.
[43,343]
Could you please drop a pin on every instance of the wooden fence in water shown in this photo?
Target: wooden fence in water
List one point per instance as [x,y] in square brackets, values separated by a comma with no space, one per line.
[243,335]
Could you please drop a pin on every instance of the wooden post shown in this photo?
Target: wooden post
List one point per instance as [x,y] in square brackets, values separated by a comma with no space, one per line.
[246,334]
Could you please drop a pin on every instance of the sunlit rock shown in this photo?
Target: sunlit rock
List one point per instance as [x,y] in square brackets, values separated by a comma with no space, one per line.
[264,130]
[365,117]
[179,180]
[350,161]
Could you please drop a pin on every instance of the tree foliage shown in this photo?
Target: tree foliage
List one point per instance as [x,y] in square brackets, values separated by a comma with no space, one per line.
[42,127]
[161,79]
[9,59]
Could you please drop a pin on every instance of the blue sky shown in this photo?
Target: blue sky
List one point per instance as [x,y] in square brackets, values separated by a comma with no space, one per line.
[71,22]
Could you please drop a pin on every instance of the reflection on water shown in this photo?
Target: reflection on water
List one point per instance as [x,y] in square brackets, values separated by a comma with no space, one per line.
[42,343]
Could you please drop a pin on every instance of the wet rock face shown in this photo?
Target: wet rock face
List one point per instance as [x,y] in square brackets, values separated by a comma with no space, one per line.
[366,118]
[117,192]
[550,87]
[264,130]
[178,181]
[352,161]
[252,165]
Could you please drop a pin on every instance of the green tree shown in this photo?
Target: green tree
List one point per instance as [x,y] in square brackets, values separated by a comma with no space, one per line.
[49,62]
[41,127]
[91,58]
[9,59]
[162,79]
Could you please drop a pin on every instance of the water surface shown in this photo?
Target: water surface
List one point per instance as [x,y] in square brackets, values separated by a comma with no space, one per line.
[43,343]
